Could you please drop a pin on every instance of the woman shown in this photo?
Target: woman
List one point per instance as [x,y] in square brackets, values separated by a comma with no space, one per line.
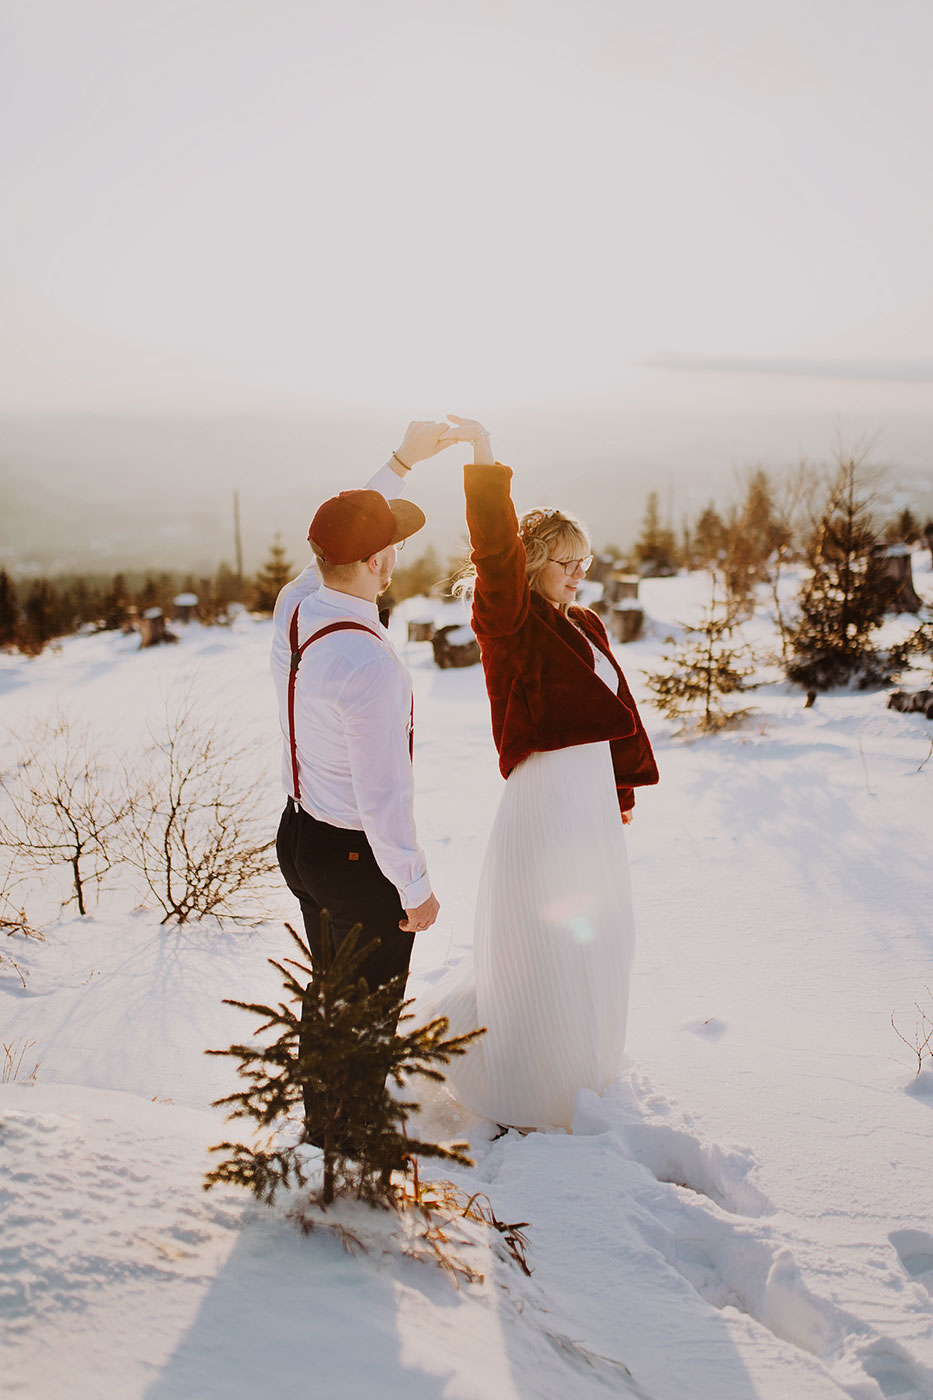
[554,932]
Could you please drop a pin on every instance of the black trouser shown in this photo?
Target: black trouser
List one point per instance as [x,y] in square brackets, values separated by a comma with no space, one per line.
[329,867]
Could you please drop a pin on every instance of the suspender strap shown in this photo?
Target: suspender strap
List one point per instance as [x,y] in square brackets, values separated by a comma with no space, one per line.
[297,653]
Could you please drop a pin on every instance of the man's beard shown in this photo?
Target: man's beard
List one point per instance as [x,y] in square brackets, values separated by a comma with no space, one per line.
[385,578]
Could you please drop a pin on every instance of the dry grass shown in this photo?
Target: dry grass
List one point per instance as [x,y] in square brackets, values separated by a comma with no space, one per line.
[14,1058]
[425,1224]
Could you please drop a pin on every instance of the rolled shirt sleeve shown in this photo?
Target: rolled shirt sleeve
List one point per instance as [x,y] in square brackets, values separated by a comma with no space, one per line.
[375,704]
[387,482]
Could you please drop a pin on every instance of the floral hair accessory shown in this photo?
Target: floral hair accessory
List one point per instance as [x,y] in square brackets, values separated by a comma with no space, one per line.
[533,519]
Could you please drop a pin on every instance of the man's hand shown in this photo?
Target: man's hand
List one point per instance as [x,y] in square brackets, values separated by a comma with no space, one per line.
[628,817]
[421,441]
[422,917]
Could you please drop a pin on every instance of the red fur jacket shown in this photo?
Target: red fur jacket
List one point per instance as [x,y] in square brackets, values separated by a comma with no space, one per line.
[543,691]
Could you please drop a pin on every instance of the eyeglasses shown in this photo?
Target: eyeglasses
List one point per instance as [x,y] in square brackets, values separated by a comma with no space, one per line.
[569,566]
[400,544]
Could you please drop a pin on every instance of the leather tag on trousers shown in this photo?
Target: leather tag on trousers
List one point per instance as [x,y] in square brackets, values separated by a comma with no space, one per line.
[353,855]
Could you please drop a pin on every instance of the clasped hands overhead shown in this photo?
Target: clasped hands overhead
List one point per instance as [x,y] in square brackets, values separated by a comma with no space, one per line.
[425,439]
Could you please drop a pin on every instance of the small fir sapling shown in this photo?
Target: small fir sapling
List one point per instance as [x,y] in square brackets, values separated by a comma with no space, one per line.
[704,668]
[336,1056]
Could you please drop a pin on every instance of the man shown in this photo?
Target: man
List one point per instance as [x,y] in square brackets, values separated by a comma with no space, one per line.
[346,841]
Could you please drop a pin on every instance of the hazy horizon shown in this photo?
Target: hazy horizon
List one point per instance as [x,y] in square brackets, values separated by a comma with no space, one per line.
[100,492]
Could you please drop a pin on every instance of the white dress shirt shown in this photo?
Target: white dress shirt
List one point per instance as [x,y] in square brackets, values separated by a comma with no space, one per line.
[352,715]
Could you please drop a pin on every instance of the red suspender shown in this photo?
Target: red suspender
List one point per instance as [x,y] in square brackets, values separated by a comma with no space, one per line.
[297,653]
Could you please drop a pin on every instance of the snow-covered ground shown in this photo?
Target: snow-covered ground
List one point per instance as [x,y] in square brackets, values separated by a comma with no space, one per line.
[746,1213]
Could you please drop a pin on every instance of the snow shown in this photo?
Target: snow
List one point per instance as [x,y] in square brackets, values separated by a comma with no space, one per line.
[744,1215]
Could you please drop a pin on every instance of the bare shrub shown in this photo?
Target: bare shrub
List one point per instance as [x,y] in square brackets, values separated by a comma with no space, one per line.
[921,1042]
[61,810]
[194,819]
[14,921]
[13,917]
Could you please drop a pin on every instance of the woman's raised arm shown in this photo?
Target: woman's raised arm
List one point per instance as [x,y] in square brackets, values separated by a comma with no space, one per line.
[500,593]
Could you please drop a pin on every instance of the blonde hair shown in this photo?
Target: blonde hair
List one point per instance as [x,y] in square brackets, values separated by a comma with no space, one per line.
[540,531]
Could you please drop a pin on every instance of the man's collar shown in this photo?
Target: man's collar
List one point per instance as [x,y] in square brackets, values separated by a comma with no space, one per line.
[347,603]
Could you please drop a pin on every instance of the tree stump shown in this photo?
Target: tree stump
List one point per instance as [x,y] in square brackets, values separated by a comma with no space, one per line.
[602,568]
[625,622]
[185,606]
[912,702]
[618,587]
[152,629]
[455,645]
[897,569]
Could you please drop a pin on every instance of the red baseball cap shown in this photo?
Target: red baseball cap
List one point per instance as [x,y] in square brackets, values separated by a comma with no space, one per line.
[356,524]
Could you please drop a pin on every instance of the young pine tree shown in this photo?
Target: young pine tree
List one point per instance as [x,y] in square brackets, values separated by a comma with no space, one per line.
[703,669]
[843,601]
[754,534]
[85,602]
[9,612]
[418,577]
[335,1056]
[656,547]
[116,604]
[272,577]
[156,592]
[916,650]
[905,529]
[226,588]
[39,622]
[709,537]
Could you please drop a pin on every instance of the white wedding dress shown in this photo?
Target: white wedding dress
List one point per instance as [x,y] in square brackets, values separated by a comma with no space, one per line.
[552,947]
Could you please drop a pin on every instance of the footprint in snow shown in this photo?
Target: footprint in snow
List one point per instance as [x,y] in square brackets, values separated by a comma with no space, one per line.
[915,1251]
[895,1372]
[711,1029]
[673,1155]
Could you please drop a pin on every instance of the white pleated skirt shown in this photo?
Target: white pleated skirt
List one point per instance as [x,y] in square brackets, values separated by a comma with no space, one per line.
[552,948]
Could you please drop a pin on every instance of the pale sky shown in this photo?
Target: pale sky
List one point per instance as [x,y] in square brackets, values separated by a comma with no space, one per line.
[288,204]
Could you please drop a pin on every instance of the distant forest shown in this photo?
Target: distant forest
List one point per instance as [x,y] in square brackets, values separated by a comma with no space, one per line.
[771,523]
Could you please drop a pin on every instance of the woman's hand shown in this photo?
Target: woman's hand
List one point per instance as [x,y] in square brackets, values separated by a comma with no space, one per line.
[471,430]
[628,817]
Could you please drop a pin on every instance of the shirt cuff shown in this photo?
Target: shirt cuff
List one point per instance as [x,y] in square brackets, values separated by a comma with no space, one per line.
[415,894]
